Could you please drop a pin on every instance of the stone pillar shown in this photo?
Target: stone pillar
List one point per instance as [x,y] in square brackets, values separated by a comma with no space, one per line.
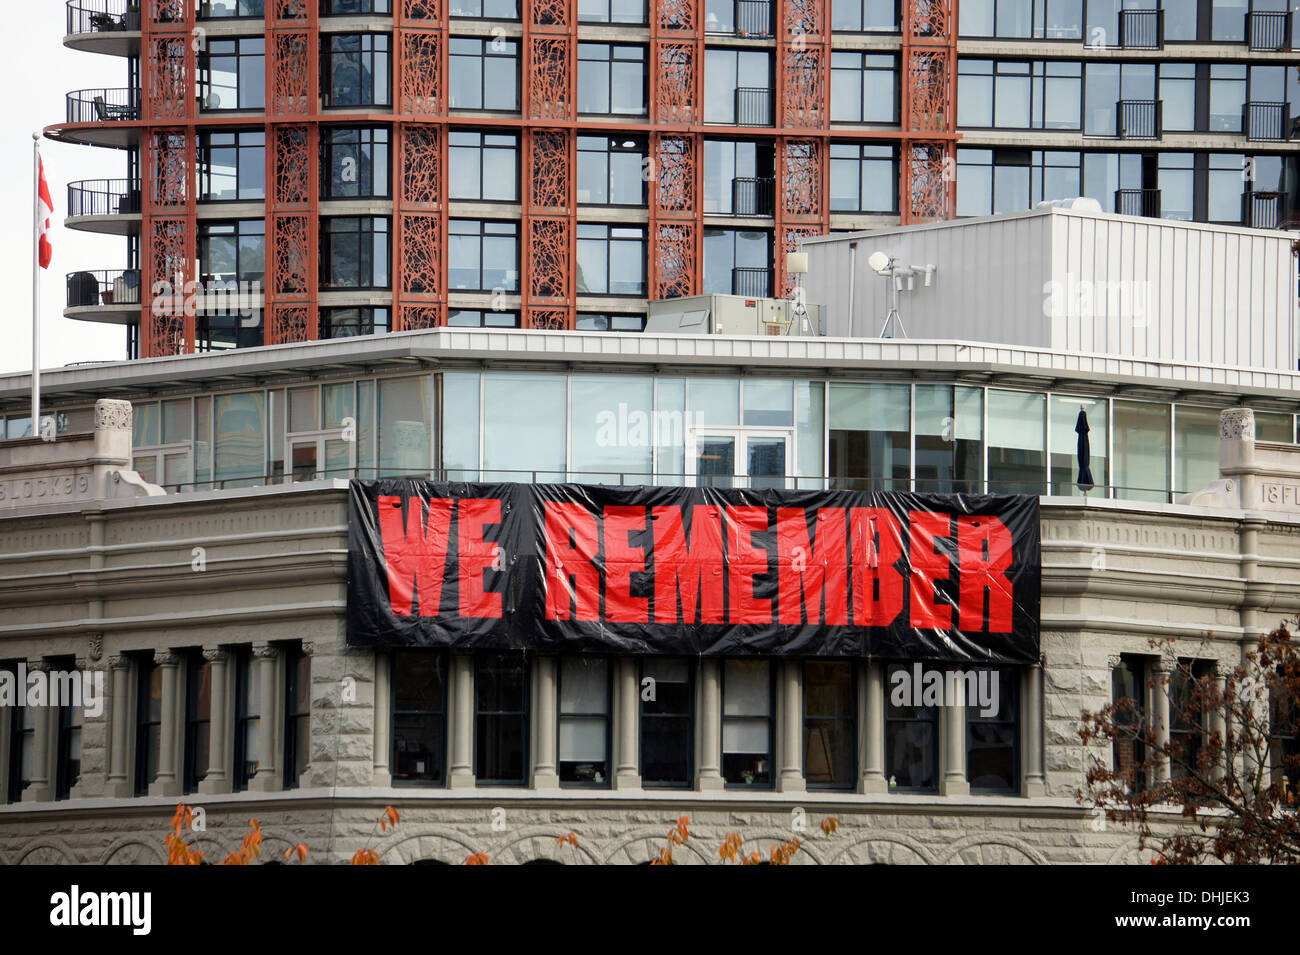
[1160,716]
[267,778]
[954,781]
[217,778]
[1237,455]
[546,703]
[628,772]
[791,779]
[1034,783]
[40,787]
[710,726]
[382,708]
[873,730]
[167,782]
[119,783]
[462,721]
[1219,719]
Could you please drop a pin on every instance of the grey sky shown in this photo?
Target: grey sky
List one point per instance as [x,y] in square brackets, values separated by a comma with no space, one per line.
[38,72]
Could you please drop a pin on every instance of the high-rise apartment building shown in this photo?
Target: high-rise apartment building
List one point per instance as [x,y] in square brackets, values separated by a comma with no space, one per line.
[372,165]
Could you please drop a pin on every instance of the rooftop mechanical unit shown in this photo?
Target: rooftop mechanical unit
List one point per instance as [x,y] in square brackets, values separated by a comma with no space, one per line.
[733,315]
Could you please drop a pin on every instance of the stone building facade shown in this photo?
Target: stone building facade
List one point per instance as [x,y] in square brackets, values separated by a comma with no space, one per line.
[253,580]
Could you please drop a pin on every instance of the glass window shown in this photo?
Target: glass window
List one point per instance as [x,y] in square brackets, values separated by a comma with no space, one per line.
[354,252]
[232,251]
[484,74]
[480,318]
[1228,20]
[353,321]
[1227,180]
[405,425]
[1128,693]
[501,718]
[714,402]
[1016,439]
[993,732]
[1180,19]
[864,178]
[911,736]
[1065,442]
[357,70]
[830,729]
[810,432]
[419,679]
[747,722]
[20,726]
[524,425]
[1196,448]
[611,260]
[297,715]
[240,438]
[864,88]
[483,255]
[611,79]
[612,170]
[870,436]
[148,722]
[1188,716]
[866,16]
[613,429]
[484,166]
[213,9]
[737,177]
[1227,96]
[67,763]
[737,262]
[738,87]
[1141,449]
[247,717]
[667,727]
[949,428]
[584,720]
[611,11]
[232,74]
[1178,94]
[198,718]
[232,166]
[610,322]
[460,452]
[354,162]
[340,7]
[485,9]
[768,402]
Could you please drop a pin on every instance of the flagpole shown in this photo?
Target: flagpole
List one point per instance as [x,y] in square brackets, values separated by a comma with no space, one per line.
[36,285]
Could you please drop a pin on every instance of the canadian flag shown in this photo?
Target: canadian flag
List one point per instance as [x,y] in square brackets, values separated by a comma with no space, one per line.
[45,213]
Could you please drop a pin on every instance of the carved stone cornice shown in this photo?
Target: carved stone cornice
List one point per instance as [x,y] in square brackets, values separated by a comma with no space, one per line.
[1237,423]
[215,654]
[266,651]
[166,658]
[119,661]
[112,415]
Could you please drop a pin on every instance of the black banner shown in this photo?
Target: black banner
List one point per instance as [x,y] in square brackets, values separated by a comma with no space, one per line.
[672,570]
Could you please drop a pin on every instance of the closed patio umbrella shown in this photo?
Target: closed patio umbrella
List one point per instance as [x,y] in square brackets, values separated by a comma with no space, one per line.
[1085,481]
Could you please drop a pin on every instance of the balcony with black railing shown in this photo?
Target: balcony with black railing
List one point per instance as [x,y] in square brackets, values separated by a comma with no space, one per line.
[1138,119]
[752,283]
[110,206]
[1268,31]
[102,117]
[105,26]
[751,196]
[104,295]
[753,106]
[1142,29]
[1261,210]
[747,18]
[1138,202]
[1267,122]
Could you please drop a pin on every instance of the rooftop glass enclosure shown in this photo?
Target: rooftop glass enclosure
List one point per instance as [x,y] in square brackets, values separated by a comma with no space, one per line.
[726,431]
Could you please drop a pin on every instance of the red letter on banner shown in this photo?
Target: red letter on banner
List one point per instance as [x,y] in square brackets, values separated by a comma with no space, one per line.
[980,573]
[744,560]
[874,566]
[821,570]
[572,543]
[413,555]
[928,568]
[621,561]
[476,556]
[692,568]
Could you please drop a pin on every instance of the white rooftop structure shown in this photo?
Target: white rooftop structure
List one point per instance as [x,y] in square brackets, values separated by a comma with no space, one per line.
[1068,278]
